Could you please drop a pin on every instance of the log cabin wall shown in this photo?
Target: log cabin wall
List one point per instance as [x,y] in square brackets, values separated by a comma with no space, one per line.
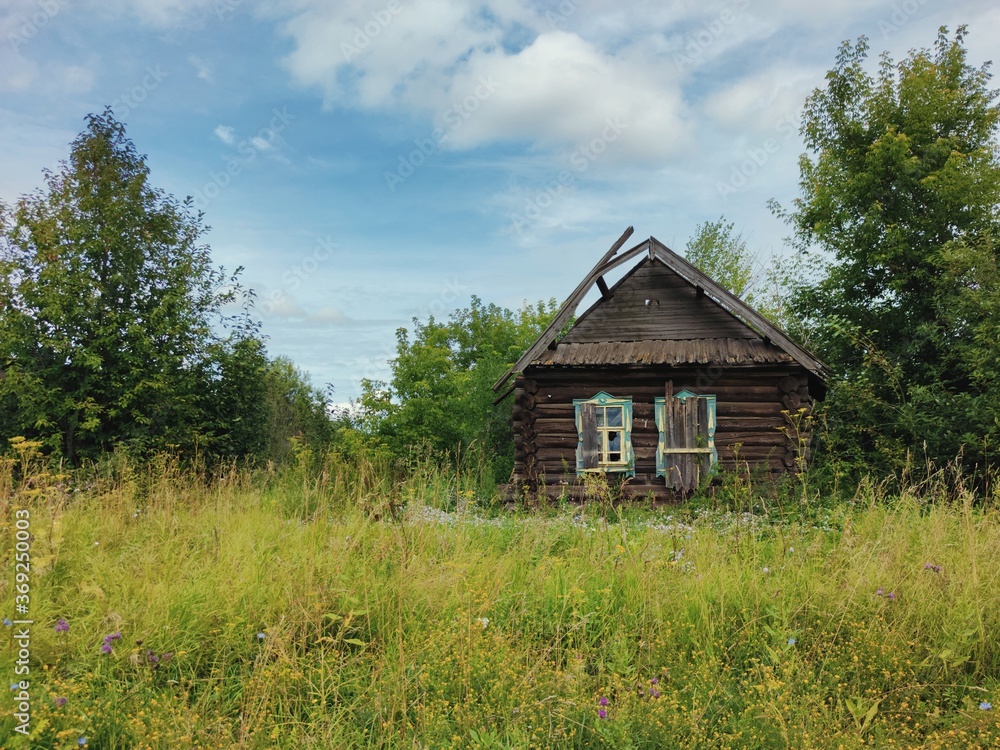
[752,432]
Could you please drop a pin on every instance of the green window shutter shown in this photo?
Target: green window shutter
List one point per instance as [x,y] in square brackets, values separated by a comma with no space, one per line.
[685,448]
[627,446]
[660,415]
[588,447]
[711,429]
[598,419]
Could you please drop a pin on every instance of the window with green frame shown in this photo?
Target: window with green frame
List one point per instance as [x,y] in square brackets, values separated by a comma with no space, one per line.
[604,427]
[685,450]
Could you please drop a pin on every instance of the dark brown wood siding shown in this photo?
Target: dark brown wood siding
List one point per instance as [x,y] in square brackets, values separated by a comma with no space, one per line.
[749,400]
[653,302]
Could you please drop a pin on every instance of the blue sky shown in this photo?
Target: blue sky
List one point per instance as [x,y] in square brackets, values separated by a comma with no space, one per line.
[372,161]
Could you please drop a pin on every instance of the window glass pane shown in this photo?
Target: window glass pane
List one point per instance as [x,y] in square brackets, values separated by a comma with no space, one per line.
[614,441]
[600,416]
[614,458]
[614,416]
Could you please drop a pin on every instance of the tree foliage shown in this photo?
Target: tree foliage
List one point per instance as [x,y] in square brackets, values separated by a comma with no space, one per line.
[295,410]
[899,212]
[440,395]
[723,254]
[109,300]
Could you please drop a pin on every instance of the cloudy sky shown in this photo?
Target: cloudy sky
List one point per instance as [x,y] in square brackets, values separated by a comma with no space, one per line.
[368,161]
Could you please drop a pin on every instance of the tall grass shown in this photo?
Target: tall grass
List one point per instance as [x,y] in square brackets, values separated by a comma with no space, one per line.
[349,602]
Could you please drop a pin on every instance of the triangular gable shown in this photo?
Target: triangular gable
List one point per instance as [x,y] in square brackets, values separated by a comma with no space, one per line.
[739,310]
[653,303]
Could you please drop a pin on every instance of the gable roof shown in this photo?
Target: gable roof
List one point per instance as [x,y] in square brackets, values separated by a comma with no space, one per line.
[694,308]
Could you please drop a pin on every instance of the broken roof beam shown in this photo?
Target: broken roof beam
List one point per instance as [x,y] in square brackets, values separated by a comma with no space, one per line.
[567,309]
[603,286]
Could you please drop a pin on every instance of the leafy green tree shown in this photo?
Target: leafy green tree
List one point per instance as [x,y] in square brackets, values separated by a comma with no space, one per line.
[295,409]
[108,301]
[440,393]
[899,213]
[722,254]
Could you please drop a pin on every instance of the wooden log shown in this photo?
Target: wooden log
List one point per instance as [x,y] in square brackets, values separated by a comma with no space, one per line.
[791,401]
[645,393]
[525,400]
[748,409]
[789,384]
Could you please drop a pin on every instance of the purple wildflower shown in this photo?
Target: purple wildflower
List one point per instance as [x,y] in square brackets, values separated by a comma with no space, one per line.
[106,647]
[165,657]
[602,714]
[655,680]
[62,626]
[932,566]
[985,706]
[60,701]
[654,692]
[880,591]
[603,701]
[891,596]
[151,657]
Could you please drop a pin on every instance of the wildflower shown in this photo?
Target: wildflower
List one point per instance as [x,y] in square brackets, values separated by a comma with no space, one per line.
[985,706]
[483,621]
[62,626]
[82,741]
[891,596]
[602,714]
[603,701]
[151,657]
[791,641]
[106,647]
[932,566]
[167,656]
[653,692]
[880,591]
[655,680]
[261,636]
[7,622]
[60,701]
[15,685]
[767,570]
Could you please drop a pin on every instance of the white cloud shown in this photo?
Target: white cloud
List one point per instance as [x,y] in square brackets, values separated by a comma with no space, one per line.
[562,89]
[458,64]
[164,13]
[327,314]
[226,134]
[202,71]
[261,144]
[756,102]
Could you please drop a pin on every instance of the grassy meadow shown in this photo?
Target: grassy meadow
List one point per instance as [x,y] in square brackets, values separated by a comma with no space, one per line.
[338,609]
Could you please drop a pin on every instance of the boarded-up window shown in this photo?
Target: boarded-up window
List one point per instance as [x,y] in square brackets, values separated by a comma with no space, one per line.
[685,451]
[604,426]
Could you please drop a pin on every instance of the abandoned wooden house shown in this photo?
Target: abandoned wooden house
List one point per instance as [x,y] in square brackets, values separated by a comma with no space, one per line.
[665,378]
